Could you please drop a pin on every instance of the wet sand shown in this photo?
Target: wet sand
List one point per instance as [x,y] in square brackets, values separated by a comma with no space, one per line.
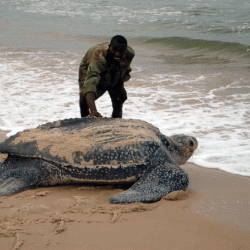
[213,213]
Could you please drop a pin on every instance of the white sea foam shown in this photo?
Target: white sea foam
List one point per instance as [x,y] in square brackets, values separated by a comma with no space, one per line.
[41,87]
[32,91]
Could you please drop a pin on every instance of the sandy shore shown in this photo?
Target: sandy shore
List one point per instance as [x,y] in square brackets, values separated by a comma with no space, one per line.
[214,213]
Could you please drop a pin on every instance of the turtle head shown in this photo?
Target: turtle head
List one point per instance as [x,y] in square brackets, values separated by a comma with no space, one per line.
[181,147]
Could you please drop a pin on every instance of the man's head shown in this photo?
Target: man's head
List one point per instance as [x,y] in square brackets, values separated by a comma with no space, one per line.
[117,48]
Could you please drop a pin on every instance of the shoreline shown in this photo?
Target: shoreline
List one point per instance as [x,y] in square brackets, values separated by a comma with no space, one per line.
[213,213]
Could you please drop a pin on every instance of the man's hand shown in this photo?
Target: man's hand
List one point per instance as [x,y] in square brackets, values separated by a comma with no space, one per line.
[95,114]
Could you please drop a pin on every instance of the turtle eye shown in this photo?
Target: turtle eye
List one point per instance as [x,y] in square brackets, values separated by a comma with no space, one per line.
[191,143]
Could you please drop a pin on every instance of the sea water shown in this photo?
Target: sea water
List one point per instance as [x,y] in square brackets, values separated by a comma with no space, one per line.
[191,72]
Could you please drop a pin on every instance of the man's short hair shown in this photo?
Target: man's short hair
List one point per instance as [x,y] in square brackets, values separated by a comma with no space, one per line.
[119,39]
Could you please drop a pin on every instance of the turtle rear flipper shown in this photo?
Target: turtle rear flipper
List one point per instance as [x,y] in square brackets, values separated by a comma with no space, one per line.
[154,184]
[12,185]
[18,174]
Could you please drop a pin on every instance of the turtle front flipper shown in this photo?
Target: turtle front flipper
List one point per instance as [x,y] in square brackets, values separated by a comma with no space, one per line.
[18,174]
[154,184]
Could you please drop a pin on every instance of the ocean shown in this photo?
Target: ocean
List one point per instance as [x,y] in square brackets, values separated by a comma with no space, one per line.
[191,72]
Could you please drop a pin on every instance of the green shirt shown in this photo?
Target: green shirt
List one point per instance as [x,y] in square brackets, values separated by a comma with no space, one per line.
[95,71]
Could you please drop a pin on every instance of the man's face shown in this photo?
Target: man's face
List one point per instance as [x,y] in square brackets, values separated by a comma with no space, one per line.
[117,51]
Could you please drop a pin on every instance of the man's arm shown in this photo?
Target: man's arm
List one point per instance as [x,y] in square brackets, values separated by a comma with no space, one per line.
[128,58]
[91,80]
[126,76]
[90,88]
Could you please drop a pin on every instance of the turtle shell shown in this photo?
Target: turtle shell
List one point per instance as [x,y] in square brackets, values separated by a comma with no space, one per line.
[82,142]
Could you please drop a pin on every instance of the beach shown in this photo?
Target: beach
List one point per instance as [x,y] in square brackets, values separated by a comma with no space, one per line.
[213,213]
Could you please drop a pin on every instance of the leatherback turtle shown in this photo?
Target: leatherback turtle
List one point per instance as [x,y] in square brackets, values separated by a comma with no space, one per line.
[96,150]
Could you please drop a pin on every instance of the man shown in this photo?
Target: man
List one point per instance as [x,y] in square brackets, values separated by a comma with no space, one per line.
[105,67]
